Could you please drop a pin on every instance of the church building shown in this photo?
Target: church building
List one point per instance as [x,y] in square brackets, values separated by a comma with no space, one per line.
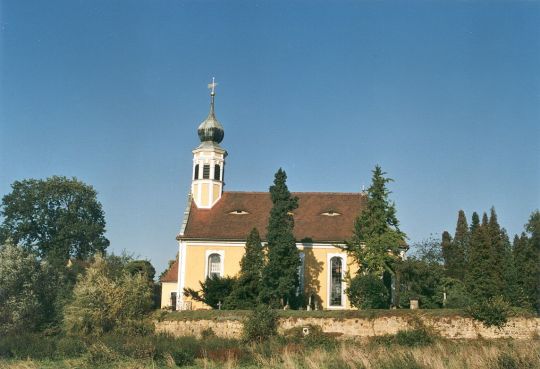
[216,224]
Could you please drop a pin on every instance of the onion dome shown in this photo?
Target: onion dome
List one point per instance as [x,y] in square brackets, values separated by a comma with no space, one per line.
[210,129]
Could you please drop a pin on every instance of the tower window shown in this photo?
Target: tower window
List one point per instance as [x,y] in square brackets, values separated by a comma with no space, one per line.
[206,171]
[196,174]
[217,172]
[214,265]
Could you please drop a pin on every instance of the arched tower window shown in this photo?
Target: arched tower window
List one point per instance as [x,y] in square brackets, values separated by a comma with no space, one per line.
[196,174]
[206,171]
[336,281]
[217,172]
[214,265]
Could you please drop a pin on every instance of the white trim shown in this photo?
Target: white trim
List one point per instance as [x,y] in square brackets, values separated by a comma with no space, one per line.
[181,274]
[221,254]
[343,258]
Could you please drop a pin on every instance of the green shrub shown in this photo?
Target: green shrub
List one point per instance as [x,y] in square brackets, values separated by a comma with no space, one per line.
[99,354]
[70,347]
[315,337]
[261,324]
[414,337]
[207,333]
[183,350]
[410,338]
[368,292]
[28,345]
[492,312]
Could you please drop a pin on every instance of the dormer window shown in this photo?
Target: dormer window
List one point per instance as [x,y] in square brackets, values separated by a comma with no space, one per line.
[330,213]
[239,212]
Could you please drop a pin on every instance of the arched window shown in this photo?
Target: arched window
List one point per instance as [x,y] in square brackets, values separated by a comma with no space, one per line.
[196,174]
[214,265]
[336,277]
[206,171]
[217,172]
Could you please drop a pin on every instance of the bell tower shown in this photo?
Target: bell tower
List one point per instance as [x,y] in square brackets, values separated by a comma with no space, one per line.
[208,159]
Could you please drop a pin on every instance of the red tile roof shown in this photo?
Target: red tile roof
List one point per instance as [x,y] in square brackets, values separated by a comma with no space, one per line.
[172,273]
[219,224]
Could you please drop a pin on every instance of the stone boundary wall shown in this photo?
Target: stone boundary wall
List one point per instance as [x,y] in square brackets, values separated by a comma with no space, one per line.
[449,327]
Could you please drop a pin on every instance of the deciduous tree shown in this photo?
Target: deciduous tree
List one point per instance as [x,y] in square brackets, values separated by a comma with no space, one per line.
[57,218]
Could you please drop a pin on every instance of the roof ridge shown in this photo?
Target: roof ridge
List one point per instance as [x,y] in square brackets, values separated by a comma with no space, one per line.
[299,192]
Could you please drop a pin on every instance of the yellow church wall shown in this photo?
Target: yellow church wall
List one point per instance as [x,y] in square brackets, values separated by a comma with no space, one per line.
[216,191]
[205,198]
[316,268]
[166,289]
[197,263]
[195,191]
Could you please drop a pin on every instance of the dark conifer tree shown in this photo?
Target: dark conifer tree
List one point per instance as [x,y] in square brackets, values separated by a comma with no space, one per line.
[280,275]
[475,222]
[377,239]
[245,294]
[447,251]
[527,260]
[461,246]
[478,279]
[498,252]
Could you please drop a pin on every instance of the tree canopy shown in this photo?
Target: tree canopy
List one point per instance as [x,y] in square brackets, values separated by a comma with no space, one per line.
[57,218]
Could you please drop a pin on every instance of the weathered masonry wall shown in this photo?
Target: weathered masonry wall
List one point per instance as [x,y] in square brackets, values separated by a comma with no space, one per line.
[448,327]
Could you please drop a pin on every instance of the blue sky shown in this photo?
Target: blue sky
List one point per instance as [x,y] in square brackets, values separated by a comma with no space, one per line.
[445,96]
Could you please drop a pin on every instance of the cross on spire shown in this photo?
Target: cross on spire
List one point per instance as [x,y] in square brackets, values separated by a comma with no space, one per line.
[212,86]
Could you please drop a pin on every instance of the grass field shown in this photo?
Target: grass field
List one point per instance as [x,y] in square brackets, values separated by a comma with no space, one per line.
[389,352]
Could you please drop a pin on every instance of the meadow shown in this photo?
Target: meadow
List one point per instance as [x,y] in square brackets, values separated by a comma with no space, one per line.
[416,349]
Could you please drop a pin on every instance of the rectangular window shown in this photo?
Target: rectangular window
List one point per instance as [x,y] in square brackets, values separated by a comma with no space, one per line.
[206,171]
[217,172]
[300,288]
[173,300]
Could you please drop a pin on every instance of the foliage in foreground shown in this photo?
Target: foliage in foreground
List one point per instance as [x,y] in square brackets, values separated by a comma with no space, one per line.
[493,312]
[367,292]
[261,324]
[108,297]
[112,351]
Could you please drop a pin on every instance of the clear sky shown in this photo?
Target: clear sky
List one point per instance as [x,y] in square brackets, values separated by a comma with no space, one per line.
[445,96]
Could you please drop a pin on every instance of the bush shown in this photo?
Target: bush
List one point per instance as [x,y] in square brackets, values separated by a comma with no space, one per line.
[410,338]
[99,354]
[261,324]
[70,347]
[104,299]
[414,337]
[182,350]
[28,345]
[492,312]
[315,337]
[368,292]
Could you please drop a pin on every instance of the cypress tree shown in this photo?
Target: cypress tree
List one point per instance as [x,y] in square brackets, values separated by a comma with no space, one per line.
[246,291]
[460,246]
[280,275]
[377,239]
[447,251]
[498,252]
[478,279]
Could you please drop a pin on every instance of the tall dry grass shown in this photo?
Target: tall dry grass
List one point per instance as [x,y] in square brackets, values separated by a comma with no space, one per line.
[479,354]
